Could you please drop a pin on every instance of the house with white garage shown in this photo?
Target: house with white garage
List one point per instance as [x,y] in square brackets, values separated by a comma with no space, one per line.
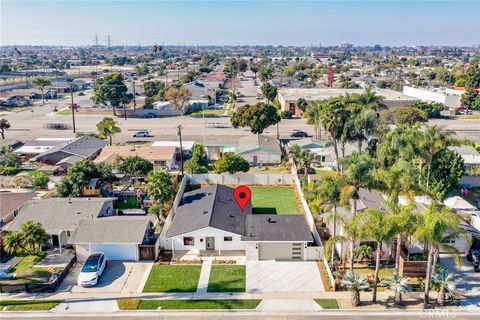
[60,216]
[259,149]
[208,221]
[118,237]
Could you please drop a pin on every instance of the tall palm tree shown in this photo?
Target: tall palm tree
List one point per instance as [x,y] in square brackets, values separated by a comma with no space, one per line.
[306,159]
[431,142]
[446,282]
[355,282]
[369,99]
[33,233]
[160,189]
[312,114]
[398,285]
[41,83]
[438,224]
[13,242]
[381,228]
[294,151]
[330,192]
[4,125]
[107,128]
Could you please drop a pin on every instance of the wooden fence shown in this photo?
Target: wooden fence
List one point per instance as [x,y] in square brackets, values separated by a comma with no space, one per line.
[411,268]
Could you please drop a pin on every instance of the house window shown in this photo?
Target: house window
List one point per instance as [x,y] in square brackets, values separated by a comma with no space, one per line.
[68,234]
[227,238]
[188,241]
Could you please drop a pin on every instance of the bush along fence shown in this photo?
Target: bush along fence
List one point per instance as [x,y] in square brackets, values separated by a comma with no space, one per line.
[39,287]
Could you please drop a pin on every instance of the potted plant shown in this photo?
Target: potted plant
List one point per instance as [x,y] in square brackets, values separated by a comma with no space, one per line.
[355,282]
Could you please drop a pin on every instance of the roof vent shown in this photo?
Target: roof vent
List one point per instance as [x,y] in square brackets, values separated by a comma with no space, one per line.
[231,215]
[270,220]
[205,212]
[78,212]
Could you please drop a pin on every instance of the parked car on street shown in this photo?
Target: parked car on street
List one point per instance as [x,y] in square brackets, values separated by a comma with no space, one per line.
[141,133]
[298,134]
[92,270]
[149,115]
[57,126]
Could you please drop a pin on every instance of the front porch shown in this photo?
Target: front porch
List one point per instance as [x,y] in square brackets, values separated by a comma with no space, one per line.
[195,255]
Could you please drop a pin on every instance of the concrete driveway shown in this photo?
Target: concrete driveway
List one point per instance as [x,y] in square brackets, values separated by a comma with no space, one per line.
[118,277]
[283,276]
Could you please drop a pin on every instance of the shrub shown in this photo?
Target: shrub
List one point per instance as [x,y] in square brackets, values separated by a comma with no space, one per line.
[9,171]
[40,180]
[286,114]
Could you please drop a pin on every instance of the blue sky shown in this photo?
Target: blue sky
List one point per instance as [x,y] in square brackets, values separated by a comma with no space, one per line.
[387,22]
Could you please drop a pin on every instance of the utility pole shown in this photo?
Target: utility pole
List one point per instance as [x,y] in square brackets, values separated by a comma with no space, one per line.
[179,134]
[73,108]
[134,99]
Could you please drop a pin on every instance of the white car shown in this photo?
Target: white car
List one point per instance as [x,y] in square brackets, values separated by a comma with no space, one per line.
[142,133]
[92,270]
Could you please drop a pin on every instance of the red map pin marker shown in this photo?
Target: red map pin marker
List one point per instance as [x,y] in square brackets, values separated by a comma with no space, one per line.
[242,195]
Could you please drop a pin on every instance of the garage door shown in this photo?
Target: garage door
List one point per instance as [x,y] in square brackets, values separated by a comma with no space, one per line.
[280,251]
[116,251]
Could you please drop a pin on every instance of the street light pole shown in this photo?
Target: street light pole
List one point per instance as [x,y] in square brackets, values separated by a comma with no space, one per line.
[73,109]
[134,101]
[179,134]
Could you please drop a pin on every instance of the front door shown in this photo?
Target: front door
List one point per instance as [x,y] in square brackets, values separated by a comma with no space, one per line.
[55,241]
[255,160]
[210,243]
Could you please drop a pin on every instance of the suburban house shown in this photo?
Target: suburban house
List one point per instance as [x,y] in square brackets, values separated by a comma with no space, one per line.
[10,204]
[323,150]
[33,148]
[209,220]
[60,216]
[161,156]
[85,147]
[288,97]
[259,149]
[118,237]
[470,156]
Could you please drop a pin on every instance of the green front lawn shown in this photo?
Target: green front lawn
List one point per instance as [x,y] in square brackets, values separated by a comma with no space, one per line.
[173,278]
[23,305]
[135,304]
[65,112]
[383,273]
[274,200]
[208,113]
[227,278]
[26,272]
[327,303]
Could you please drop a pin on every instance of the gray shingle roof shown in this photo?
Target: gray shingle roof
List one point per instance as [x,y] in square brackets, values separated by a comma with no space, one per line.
[271,227]
[116,229]
[84,147]
[214,207]
[58,214]
[258,141]
[9,201]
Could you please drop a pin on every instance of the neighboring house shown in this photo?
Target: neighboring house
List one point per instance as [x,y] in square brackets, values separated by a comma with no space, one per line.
[10,204]
[67,162]
[288,97]
[259,149]
[85,147]
[324,151]
[470,156]
[118,237]
[161,157]
[33,148]
[462,206]
[60,216]
[209,220]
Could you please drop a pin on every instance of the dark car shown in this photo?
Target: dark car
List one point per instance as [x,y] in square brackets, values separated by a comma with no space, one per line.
[149,115]
[57,126]
[298,134]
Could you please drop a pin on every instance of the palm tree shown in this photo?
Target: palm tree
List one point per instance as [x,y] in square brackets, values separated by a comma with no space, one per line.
[13,242]
[379,227]
[33,233]
[437,226]
[160,189]
[365,125]
[354,283]
[41,83]
[306,159]
[312,114]
[4,125]
[330,191]
[430,142]
[294,151]
[398,285]
[446,282]
[107,128]
[371,100]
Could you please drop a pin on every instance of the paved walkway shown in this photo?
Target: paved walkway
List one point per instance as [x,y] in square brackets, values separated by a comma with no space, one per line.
[282,305]
[204,276]
[87,306]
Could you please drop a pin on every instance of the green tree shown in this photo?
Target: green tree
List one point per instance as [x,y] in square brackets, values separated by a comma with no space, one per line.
[264,74]
[399,285]
[437,226]
[178,97]
[269,91]
[231,163]
[254,67]
[445,281]
[447,170]
[381,228]
[295,152]
[312,114]
[29,238]
[107,128]
[4,125]
[307,157]
[133,165]
[197,163]
[432,109]
[160,188]
[355,282]
[409,116]
[111,90]
[431,142]
[231,68]
[40,180]
[302,104]
[41,83]
[257,117]
[154,89]
[7,158]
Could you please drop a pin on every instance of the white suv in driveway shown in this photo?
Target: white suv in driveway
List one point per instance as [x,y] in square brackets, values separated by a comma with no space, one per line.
[92,270]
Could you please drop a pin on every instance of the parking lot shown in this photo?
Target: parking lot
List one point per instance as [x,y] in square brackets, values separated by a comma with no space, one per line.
[118,277]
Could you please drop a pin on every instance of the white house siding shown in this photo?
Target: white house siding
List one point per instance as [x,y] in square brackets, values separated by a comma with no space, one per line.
[199,240]
[116,251]
[82,251]
[251,250]
[263,157]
